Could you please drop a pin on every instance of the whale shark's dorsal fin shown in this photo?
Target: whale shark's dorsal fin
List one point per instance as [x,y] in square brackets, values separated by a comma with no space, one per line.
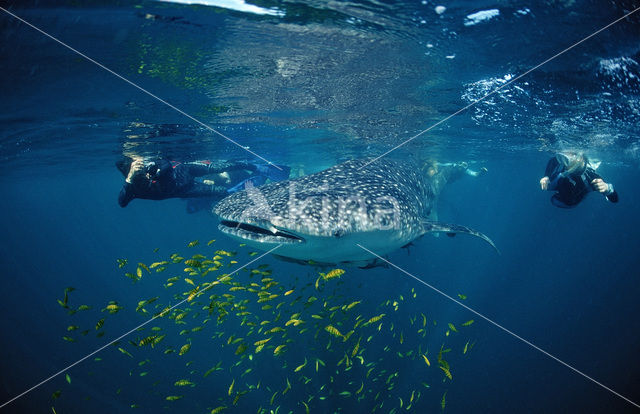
[453,229]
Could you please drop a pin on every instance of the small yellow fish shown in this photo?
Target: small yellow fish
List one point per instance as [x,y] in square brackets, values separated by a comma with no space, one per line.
[146,341]
[173,397]
[240,349]
[333,331]
[231,386]
[261,342]
[184,349]
[446,372]
[352,304]
[374,319]
[100,324]
[215,368]
[426,360]
[124,351]
[156,264]
[299,367]
[333,274]
[193,294]
[355,349]
[112,308]
[467,323]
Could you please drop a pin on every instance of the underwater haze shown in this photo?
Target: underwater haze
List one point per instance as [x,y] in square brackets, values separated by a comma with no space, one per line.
[212,325]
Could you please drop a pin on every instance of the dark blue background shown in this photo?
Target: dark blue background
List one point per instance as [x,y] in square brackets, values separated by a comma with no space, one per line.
[566,280]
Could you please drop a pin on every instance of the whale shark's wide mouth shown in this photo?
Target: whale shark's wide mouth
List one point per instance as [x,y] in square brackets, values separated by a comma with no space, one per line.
[257,233]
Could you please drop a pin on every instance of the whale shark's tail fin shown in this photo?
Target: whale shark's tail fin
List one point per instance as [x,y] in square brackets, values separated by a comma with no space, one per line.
[453,229]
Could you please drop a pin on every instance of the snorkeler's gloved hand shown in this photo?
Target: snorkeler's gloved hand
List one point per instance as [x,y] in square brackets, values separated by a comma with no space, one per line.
[136,167]
[544,183]
[273,172]
[602,187]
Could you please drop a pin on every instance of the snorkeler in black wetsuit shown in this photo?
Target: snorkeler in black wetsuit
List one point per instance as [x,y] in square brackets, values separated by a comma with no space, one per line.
[162,179]
[572,177]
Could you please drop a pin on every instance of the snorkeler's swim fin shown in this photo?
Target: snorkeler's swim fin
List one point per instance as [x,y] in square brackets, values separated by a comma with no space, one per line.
[263,172]
[274,172]
[126,195]
[256,180]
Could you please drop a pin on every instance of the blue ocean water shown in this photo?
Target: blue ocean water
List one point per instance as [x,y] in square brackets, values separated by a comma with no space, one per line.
[311,84]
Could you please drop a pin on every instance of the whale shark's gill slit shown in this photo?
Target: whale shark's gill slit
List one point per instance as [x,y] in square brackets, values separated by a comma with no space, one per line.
[258,230]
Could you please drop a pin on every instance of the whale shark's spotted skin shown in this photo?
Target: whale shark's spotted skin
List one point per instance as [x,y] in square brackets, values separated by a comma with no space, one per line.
[322,217]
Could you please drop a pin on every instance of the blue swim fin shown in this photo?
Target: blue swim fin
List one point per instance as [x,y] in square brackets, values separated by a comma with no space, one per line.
[273,172]
[256,180]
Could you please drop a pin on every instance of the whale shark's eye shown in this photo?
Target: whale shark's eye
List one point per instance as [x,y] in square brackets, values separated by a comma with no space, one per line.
[338,233]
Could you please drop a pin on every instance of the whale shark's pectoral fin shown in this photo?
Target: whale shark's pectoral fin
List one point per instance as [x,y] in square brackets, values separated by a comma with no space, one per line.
[453,229]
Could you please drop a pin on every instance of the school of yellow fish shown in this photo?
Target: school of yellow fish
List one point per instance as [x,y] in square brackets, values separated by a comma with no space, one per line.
[276,343]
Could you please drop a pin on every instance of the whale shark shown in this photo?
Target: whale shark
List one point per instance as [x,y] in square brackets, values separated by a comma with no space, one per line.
[321,218]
